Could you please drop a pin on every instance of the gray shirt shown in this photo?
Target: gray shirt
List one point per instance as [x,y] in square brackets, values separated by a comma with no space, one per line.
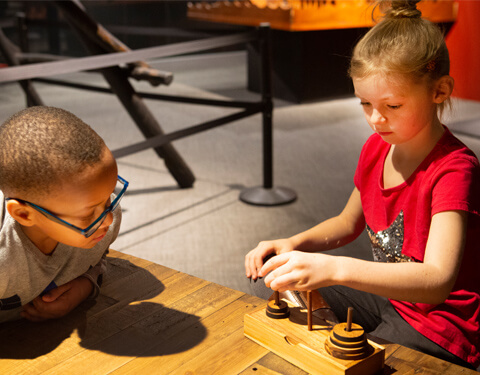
[26,272]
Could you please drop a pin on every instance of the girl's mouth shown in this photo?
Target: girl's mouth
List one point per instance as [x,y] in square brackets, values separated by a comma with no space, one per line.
[383,134]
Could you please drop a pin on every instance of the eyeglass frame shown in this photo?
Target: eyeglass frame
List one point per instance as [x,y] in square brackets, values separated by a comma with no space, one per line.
[87,232]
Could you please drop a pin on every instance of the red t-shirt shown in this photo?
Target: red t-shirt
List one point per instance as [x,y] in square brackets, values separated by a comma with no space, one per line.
[398,222]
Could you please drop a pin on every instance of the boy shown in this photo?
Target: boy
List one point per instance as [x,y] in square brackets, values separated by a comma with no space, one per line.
[57,213]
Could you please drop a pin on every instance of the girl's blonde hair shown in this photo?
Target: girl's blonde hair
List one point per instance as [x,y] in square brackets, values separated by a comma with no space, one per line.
[402,43]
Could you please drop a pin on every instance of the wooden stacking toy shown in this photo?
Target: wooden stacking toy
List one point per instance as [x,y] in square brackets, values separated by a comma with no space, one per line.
[348,340]
[311,343]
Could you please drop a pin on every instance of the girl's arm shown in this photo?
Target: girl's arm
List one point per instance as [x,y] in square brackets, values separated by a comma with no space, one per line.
[428,282]
[335,232]
[330,234]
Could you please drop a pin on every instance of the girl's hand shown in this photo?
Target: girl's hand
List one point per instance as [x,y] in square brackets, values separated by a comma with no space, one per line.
[255,258]
[298,270]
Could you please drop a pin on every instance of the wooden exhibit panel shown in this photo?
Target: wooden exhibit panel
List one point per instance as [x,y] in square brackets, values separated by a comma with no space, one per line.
[304,15]
[312,40]
[290,339]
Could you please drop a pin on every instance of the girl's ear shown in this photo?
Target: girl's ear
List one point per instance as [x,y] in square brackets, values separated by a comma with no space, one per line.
[22,213]
[443,89]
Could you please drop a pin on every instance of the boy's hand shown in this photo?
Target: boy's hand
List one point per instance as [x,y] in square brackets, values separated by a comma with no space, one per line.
[255,258]
[58,302]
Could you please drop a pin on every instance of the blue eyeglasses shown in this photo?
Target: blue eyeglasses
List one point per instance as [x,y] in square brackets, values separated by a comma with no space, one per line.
[92,228]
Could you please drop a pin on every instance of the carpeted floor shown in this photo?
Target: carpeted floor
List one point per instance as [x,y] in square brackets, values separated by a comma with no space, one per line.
[206,231]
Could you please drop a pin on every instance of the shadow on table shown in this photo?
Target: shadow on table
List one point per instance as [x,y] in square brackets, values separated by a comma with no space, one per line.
[122,327]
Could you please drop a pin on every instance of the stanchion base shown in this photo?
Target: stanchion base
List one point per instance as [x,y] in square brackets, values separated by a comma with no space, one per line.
[261,196]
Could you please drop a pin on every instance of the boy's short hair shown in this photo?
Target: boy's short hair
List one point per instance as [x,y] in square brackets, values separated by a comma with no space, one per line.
[40,147]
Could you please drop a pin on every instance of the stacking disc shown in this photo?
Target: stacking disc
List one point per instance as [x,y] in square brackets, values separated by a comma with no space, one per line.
[280,311]
[345,344]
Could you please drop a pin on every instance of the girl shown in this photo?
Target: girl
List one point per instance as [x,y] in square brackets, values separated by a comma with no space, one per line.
[416,193]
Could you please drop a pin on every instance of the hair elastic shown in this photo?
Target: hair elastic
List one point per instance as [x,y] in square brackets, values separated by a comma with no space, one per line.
[431,65]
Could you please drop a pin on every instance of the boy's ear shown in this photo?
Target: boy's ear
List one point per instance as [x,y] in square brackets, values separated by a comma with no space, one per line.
[22,213]
[443,89]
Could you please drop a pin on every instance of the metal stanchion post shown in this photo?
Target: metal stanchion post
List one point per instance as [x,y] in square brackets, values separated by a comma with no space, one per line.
[267,195]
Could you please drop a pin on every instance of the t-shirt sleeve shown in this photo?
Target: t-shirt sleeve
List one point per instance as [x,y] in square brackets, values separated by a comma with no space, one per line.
[457,187]
[367,161]
[358,174]
[357,178]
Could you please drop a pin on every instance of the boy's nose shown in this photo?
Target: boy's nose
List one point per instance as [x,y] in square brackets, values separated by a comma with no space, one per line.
[108,220]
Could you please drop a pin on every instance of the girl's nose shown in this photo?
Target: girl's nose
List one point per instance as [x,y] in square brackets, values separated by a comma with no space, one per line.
[377,117]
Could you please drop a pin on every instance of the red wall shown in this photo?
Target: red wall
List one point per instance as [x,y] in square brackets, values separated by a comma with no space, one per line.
[463,43]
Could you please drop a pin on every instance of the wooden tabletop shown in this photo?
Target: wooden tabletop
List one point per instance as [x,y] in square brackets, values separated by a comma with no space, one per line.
[150,319]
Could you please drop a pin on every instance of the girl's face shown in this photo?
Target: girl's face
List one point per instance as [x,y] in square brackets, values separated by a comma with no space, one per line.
[397,108]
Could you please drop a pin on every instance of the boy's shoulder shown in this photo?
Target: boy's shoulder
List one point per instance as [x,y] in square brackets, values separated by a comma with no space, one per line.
[10,258]
[10,236]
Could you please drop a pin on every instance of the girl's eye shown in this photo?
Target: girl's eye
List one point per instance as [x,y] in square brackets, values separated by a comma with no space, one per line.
[394,106]
[364,103]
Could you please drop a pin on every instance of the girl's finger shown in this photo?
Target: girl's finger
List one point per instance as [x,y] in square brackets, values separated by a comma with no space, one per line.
[283,279]
[254,265]
[273,263]
[248,271]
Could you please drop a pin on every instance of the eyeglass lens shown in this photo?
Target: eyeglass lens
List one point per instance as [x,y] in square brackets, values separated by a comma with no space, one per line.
[116,201]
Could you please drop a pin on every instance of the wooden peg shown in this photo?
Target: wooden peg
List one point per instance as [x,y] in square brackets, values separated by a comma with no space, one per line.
[309,310]
[349,319]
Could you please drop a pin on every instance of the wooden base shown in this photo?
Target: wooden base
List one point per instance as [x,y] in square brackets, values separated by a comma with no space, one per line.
[291,340]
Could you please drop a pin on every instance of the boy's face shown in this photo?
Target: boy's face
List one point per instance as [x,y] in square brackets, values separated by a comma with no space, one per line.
[78,201]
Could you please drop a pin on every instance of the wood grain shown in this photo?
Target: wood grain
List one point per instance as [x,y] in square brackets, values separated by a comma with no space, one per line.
[150,319]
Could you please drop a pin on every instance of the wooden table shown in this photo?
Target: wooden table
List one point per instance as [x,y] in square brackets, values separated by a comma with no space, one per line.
[150,319]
